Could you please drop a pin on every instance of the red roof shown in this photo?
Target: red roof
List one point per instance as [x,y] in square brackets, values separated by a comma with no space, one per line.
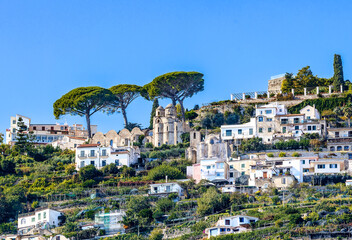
[78,138]
[88,145]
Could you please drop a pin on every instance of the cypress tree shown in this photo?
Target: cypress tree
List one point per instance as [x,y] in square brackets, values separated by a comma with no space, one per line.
[338,72]
[152,114]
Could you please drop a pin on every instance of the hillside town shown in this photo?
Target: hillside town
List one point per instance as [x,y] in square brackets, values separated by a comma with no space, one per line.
[271,164]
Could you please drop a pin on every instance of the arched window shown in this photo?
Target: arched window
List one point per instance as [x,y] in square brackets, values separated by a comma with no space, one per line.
[23,221]
[98,142]
[194,135]
[111,142]
[211,141]
[339,148]
[332,149]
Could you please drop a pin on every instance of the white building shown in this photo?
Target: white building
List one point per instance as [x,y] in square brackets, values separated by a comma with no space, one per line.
[165,188]
[99,156]
[37,219]
[46,133]
[230,225]
[68,142]
[239,132]
[310,112]
[111,222]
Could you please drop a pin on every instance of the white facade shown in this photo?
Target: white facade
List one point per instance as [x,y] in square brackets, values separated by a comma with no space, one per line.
[46,133]
[230,225]
[165,188]
[310,112]
[94,154]
[111,222]
[271,110]
[26,222]
[239,132]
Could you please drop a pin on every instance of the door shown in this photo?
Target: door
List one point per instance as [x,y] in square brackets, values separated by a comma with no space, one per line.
[265,175]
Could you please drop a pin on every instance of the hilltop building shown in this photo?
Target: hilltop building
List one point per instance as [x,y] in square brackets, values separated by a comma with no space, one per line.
[167,127]
[47,133]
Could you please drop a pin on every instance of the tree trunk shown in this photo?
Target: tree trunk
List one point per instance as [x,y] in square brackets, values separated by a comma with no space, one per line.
[88,125]
[123,110]
[182,110]
[173,101]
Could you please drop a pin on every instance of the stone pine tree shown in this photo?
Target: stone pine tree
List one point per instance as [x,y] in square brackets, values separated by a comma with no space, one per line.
[124,95]
[152,114]
[177,86]
[338,72]
[83,101]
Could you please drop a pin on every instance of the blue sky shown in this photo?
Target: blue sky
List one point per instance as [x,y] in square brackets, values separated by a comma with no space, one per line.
[50,47]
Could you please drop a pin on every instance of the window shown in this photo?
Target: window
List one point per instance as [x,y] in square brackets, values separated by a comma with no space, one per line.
[33,219]
[103,163]
[241,219]
[82,164]
[243,165]
[103,152]
[43,128]
[39,216]
[284,130]
[111,142]
[268,111]
[306,170]
[242,173]
[333,165]
[309,128]
[34,128]
[303,161]
[260,119]
[314,128]
[339,148]
[13,121]
[208,167]
[283,180]
[260,130]
[296,120]
[168,189]
[23,221]
[44,215]
[308,117]
[227,222]
[82,154]
[14,130]
[269,129]
[117,162]
[346,148]
[239,131]
[231,174]
[296,127]
[350,156]
[251,131]
[337,134]
[231,166]
[284,121]
[269,119]
[321,166]
[228,133]
[92,153]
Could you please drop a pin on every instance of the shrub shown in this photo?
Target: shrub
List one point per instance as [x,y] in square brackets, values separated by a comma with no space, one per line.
[282,154]
[88,183]
[296,154]
[160,172]
[270,155]
[149,145]
[88,172]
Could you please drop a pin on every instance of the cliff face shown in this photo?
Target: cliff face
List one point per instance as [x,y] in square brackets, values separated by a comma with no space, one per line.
[274,85]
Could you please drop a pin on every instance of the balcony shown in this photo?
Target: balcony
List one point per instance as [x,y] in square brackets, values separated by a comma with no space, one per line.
[92,155]
[82,155]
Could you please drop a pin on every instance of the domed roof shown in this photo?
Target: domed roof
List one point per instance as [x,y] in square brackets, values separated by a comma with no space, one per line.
[169,105]
[160,108]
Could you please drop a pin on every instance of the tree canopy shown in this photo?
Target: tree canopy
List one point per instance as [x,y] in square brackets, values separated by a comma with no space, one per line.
[338,72]
[177,86]
[124,95]
[83,101]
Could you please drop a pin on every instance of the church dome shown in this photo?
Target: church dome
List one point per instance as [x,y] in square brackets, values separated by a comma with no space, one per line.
[160,108]
[169,106]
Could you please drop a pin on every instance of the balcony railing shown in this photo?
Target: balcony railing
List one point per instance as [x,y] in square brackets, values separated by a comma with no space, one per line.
[82,155]
[92,155]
